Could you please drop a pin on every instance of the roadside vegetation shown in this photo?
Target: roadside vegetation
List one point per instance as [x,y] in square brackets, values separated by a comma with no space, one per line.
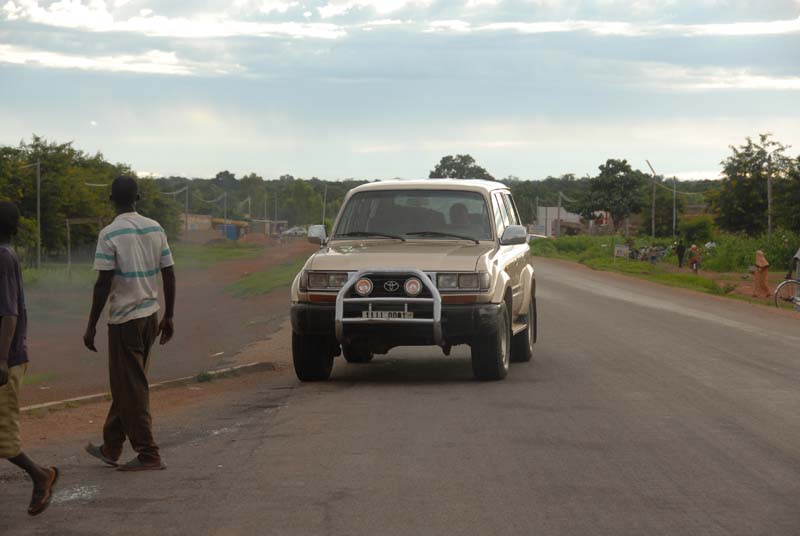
[266,280]
[725,265]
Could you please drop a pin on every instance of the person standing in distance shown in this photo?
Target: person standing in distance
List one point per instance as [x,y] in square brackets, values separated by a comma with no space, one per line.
[14,363]
[130,254]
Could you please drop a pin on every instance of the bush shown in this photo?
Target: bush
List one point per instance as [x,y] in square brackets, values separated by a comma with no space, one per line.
[697,230]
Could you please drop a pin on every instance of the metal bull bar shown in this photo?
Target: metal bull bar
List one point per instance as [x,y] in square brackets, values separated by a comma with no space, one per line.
[435,300]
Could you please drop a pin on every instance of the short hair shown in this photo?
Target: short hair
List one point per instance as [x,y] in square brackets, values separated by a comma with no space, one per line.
[124,190]
[9,218]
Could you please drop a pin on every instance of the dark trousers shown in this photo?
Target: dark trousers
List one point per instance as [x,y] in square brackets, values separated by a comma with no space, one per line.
[129,416]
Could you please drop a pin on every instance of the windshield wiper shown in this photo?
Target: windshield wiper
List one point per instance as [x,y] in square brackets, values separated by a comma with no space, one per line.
[369,234]
[438,233]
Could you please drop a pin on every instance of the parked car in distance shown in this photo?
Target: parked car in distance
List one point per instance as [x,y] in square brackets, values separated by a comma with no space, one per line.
[295,231]
[437,262]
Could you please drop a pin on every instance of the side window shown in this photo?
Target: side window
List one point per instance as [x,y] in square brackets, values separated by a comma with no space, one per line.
[512,210]
[503,210]
[498,218]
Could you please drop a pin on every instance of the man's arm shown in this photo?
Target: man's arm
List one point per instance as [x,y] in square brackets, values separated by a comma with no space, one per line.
[8,325]
[102,288]
[165,328]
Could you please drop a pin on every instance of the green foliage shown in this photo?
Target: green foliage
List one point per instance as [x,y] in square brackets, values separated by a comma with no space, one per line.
[616,189]
[736,252]
[461,166]
[740,204]
[696,231]
[266,280]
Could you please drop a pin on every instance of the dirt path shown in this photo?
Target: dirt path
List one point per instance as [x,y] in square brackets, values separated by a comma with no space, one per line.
[211,328]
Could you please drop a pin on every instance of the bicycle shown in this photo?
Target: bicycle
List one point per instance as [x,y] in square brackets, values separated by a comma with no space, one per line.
[788,292]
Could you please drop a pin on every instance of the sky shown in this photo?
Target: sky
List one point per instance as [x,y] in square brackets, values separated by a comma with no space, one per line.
[376,89]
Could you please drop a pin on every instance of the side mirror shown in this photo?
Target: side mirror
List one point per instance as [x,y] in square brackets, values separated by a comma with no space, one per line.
[317,235]
[514,235]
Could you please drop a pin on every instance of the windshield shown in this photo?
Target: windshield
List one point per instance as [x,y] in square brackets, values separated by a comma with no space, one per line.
[404,212]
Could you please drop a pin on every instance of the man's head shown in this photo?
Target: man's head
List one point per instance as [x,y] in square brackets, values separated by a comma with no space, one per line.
[9,219]
[124,191]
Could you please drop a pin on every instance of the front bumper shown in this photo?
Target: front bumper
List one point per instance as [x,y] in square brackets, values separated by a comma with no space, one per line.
[460,324]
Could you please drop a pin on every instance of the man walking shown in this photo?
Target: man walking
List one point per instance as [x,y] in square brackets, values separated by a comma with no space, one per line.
[130,254]
[14,363]
[680,251]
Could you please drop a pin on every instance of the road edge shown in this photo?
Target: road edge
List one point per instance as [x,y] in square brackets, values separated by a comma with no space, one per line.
[247,368]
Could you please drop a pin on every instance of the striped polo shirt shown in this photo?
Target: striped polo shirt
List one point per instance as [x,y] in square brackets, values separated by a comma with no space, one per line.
[136,249]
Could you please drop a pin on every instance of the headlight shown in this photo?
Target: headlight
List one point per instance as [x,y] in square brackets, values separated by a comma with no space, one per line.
[447,281]
[463,281]
[468,281]
[326,280]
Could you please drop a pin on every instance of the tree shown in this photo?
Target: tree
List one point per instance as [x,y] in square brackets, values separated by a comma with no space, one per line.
[616,189]
[740,203]
[461,166]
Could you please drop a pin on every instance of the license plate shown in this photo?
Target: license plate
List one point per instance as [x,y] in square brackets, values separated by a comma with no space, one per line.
[387,314]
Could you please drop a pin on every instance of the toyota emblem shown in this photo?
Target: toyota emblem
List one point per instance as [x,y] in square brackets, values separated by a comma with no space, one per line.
[391,286]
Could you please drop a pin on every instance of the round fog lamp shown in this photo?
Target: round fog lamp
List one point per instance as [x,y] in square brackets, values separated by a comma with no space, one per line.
[413,286]
[364,287]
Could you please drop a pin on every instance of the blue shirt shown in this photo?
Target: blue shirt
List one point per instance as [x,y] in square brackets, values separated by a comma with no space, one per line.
[12,303]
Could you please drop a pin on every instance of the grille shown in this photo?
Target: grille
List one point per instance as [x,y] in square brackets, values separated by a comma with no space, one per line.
[379,290]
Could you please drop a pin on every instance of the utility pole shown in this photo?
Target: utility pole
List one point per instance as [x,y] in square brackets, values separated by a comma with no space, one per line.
[558,221]
[186,220]
[769,199]
[653,209]
[674,206]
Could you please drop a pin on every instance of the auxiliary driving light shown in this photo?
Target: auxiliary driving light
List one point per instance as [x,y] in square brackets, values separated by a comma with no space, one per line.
[364,287]
[413,286]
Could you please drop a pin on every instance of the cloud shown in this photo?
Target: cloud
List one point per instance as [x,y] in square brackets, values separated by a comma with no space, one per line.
[265,7]
[628,29]
[681,78]
[95,16]
[335,8]
[151,62]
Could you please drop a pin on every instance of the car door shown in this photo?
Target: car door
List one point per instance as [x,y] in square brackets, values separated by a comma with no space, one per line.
[517,256]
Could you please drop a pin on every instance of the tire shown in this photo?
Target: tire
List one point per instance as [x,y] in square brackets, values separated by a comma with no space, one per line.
[356,354]
[312,357]
[522,343]
[491,355]
[786,292]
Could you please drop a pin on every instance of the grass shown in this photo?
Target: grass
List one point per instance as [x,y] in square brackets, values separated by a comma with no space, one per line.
[204,377]
[657,274]
[196,256]
[596,252]
[266,280]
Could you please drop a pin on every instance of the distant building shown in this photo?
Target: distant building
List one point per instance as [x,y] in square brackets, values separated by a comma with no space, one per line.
[547,221]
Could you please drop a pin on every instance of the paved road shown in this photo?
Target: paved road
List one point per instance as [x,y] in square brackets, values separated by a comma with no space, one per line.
[647,410]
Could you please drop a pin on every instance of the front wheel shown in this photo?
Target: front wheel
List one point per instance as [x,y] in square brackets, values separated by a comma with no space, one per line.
[522,343]
[491,355]
[312,357]
[787,292]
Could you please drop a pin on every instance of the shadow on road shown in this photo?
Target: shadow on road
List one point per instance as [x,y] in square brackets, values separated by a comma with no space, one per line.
[405,370]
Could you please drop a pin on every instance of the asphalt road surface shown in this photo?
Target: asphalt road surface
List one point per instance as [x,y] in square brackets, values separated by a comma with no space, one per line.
[647,410]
